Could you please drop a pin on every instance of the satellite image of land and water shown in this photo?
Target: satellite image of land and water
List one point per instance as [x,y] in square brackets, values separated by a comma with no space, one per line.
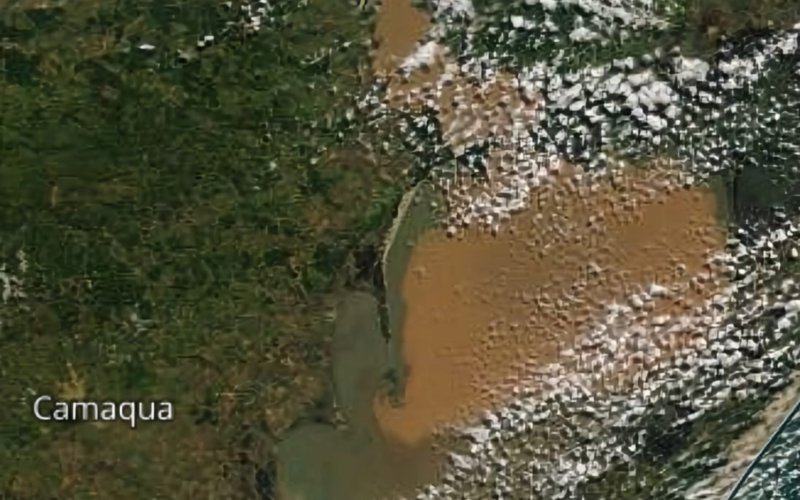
[400,250]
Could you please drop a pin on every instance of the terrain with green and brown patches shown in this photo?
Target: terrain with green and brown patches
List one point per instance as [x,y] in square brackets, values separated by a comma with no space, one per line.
[168,256]
[139,184]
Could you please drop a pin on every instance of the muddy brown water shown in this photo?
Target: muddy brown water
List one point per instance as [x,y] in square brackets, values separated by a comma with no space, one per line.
[480,310]
[398,28]
[471,315]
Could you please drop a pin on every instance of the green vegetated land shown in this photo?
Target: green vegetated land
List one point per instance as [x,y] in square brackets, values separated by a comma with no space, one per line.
[180,220]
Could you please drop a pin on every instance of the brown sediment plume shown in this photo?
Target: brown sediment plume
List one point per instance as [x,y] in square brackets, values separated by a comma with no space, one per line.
[399,26]
[469,108]
[419,87]
[469,111]
[484,311]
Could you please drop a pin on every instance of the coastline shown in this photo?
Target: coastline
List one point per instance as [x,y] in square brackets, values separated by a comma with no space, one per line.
[415,216]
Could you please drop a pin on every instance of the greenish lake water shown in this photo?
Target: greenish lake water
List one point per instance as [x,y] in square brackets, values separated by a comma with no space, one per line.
[320,462]
[418,217]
